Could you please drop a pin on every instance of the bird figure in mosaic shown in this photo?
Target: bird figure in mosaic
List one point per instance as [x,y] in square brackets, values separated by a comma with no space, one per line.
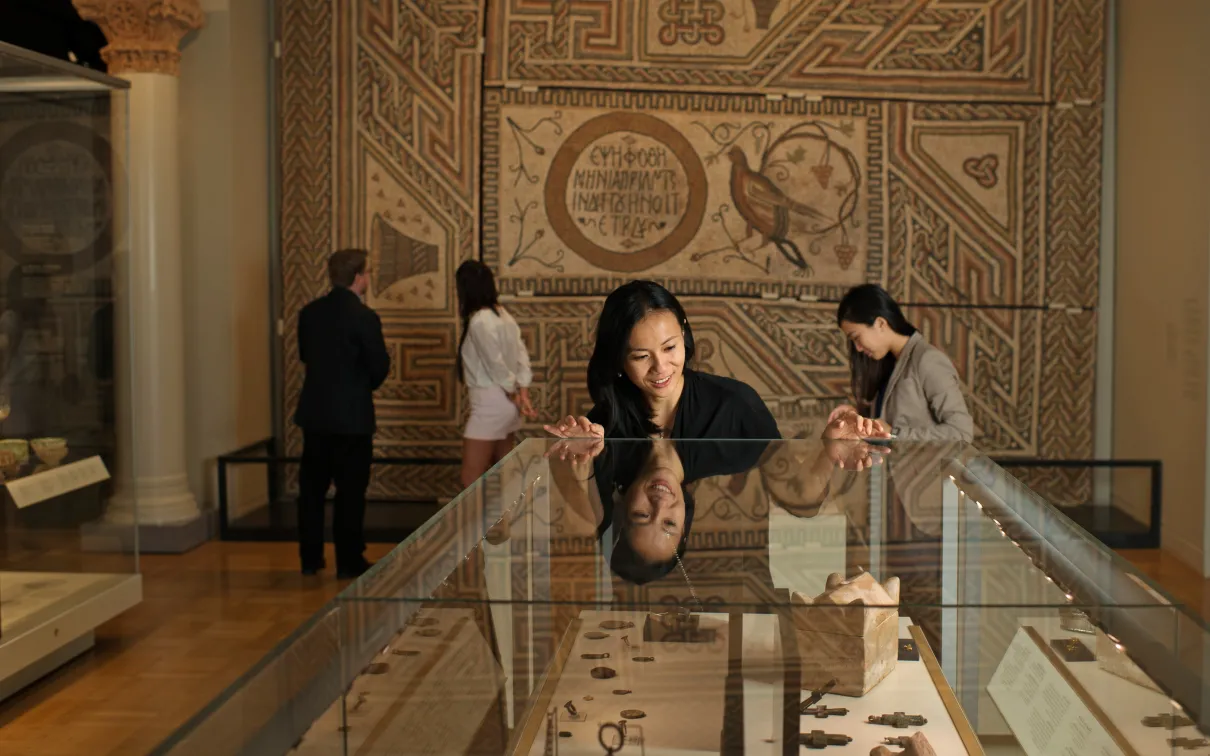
[766,208]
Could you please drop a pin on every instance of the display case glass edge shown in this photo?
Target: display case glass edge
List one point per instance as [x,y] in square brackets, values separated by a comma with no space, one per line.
[68,562]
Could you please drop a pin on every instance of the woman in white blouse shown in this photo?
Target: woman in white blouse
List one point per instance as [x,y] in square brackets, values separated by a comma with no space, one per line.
[494,364]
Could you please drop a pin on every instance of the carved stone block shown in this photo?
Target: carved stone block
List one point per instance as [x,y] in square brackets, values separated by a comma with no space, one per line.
[849,633]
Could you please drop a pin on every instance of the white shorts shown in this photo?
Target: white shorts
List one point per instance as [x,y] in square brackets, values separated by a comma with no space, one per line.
[493,415]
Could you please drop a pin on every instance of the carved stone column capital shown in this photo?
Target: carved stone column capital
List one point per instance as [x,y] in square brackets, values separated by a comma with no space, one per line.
[144,35]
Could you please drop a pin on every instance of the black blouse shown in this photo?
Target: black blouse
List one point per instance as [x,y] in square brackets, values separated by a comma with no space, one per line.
[713,407]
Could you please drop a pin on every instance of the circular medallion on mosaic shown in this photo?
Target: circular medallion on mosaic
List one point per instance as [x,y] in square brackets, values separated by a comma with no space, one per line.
[57,195]
[626,192]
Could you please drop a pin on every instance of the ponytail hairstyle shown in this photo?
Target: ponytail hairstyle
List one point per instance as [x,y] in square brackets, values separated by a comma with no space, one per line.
[476,290]
[626,411]
[864,305]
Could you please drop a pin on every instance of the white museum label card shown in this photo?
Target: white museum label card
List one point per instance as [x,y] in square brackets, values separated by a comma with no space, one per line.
[1045,714]
[55,482]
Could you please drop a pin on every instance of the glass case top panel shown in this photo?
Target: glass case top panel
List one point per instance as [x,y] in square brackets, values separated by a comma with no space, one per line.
[750,526]
[22,70]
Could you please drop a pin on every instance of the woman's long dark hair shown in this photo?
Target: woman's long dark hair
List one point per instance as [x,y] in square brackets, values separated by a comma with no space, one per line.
[476,290]
[626,412]
[864,305]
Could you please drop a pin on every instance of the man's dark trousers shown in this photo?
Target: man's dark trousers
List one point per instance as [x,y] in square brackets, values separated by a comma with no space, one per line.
[345,460]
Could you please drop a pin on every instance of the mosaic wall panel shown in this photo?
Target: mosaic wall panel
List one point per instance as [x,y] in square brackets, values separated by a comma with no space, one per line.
[955,158]
[989,50]
[380,149]
[715,195]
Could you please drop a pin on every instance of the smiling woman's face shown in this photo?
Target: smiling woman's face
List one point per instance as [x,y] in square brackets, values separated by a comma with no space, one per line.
[655,361]
[655,514]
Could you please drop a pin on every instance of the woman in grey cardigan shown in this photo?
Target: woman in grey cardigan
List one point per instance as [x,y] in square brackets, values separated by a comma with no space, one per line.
[909,385]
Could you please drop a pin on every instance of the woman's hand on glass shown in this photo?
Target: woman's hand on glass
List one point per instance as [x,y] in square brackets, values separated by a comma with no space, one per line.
[854,427]
[576,450]
[576,427]
[841,411]
[854,455]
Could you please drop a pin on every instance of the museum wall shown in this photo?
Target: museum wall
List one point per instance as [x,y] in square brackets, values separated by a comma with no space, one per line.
[758,157]
[226,213]
[1163,255]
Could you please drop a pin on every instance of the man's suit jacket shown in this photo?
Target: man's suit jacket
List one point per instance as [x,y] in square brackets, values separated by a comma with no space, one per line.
[345,358]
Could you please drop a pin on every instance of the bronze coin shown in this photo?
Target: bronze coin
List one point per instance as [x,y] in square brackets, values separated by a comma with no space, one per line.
[594,635]
[633,714]
[603,673]
[644,658]
[428,632]
[377,668]
[621,692]
[616,625]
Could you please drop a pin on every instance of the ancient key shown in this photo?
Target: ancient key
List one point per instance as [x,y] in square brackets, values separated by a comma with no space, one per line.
[823,712]
[898,720]
[1167,721]
[1188,744]
[820,739]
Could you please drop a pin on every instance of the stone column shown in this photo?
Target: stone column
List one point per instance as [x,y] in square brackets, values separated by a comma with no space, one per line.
[144,48]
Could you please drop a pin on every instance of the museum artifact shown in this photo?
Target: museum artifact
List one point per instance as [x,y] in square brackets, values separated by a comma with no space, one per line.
[616,625]
[913,745]
[1112,658]
[908,650]
[1072,650]
[595,656]
[50,450]
[644,658]
[849,632]
[820,739]
[1188,744]
[603,673]
[596,635]
[621,692]
[898,720]
[633,713]
[1076,621]
[1167,721]
[823,712]
[677,626]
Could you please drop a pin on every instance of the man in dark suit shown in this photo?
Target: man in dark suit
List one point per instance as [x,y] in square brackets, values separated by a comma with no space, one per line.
[345,358]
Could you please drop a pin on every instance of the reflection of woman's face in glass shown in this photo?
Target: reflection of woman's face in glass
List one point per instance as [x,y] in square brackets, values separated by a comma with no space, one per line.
[655,512]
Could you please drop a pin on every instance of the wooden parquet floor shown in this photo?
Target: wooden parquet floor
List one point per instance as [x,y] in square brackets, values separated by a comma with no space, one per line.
[206,617]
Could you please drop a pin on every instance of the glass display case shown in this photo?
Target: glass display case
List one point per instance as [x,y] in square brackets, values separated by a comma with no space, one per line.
[68,551]
[723,597]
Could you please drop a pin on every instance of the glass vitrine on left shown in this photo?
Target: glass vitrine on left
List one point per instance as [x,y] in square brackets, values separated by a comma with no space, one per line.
[68,540]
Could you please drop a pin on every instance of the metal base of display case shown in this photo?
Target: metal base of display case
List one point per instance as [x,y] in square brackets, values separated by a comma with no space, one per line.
[176,538]
[36,648]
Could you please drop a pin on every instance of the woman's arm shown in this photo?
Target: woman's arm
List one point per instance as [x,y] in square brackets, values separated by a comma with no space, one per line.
[943,392]
[575,483]
[525,373]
